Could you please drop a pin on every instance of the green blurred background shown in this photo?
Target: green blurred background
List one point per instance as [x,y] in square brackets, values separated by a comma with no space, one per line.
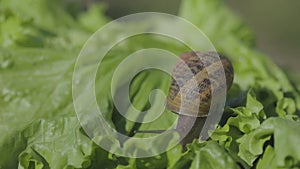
[275,23]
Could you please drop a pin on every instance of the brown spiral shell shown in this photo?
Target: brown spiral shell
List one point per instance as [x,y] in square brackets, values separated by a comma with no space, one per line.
[192,68]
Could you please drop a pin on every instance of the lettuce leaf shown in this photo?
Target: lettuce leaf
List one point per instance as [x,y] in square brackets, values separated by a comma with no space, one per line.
[39,43]
[286,154]
[207,155]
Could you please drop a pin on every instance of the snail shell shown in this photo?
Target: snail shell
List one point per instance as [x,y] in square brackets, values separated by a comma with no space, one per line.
[194,65]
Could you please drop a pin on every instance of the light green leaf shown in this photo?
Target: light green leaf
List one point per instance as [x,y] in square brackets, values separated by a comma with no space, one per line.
[268,160]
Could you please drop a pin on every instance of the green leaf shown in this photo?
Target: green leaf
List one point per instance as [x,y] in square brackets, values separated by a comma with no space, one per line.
[93,19]
[208,155]
[268,160]
[285,106]
[251,145]
[47,148]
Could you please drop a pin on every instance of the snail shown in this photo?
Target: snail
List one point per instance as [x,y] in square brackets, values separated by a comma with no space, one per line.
[194,66]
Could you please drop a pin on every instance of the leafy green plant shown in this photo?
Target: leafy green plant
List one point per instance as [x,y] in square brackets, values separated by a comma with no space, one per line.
[39,43]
